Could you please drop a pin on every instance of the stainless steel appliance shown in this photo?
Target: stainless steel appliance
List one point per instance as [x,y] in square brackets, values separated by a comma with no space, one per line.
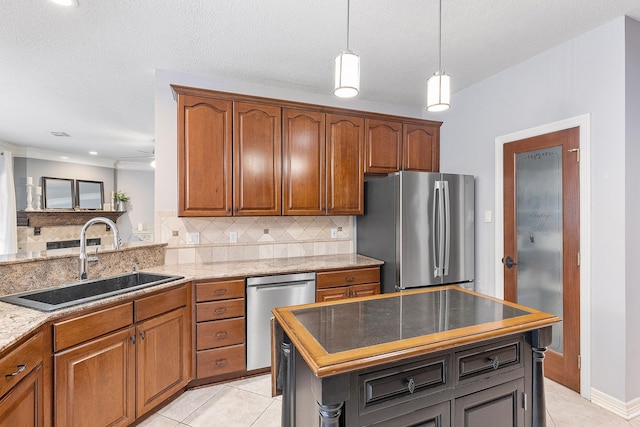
[421,225]
[263,295]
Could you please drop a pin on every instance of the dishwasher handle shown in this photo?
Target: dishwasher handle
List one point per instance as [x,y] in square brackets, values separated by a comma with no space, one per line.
[279,285]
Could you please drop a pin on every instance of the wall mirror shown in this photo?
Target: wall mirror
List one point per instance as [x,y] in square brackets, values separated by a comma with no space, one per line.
[57,193]
[90,194]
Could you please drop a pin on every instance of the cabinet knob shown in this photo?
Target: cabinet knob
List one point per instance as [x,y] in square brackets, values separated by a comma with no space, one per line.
[350,279]
[495,363]
[18,371]
[142,334]
[411,385]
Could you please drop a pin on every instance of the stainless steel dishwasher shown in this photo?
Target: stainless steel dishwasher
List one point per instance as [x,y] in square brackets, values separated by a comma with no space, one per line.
[263,295]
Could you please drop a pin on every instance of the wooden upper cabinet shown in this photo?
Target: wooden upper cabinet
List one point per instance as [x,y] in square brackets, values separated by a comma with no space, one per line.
[421,147]
[303,162]
[345,165]
[204,156]
[383,146]
[257,159]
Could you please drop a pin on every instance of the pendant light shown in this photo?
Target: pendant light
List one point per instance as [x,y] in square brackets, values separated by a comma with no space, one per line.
[439,84]
[347,83]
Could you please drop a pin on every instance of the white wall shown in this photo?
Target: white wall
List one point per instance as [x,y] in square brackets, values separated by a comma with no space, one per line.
[581,76]
[632,248]
[139,186]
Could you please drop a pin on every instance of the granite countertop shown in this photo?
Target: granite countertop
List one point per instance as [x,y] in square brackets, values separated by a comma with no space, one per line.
[16,321]
[348,335]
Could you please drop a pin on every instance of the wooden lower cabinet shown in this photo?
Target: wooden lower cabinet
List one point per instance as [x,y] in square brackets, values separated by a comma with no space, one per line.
[115,377]
[347,283]
[342,292]
[162,365]
[95,382]
[23,404]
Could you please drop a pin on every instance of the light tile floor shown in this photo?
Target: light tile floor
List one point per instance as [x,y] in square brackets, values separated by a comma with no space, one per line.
[248,403]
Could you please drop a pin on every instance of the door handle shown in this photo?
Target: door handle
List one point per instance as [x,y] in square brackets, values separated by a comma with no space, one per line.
[508,261]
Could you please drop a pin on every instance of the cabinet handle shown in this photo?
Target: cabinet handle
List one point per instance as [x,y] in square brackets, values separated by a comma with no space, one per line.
[221,335]
[220,292]
[220,363]
[20,370]
[411,385]
[142,334]
[221,310]
[133,338]
[495,363]
[350,279]
[354,293]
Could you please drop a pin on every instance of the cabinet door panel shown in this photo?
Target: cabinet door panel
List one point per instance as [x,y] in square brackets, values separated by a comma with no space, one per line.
[364,290]
[499,406]
[163,362]
[332,294]
[23,405]
[303,162]
[94,383]
[204,156]
[421,151]
[257,152]
[383,146]
[345,165]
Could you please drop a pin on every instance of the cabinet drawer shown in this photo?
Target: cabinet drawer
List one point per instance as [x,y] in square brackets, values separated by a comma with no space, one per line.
[215,310]
[83,328]
[164,302]
[329,279]
[19,362]
[211,291]
[488,358]
[220,361]
[395,384]
[219,333]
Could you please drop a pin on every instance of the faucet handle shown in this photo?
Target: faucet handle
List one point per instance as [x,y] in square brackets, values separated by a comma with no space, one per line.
[135,268]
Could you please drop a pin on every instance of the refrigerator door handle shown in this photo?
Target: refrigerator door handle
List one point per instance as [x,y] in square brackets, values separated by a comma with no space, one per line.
[447,228]
[438,205]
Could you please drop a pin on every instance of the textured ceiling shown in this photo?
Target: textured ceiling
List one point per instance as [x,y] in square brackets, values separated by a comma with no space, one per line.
[89,71]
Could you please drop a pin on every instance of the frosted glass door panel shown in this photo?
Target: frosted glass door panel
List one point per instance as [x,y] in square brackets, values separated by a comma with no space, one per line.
[539,233]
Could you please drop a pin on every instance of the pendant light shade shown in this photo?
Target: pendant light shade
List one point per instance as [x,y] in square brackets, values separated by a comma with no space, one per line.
[439,84]
[347,75]
[347,82]
[438,92]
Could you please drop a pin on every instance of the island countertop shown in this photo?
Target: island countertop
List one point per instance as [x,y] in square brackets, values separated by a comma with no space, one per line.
[346,336]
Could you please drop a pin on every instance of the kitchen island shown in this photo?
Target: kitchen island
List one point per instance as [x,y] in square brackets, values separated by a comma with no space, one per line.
[436,356]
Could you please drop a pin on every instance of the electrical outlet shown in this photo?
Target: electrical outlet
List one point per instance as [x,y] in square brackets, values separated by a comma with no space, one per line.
[193,238]
[334,233]
[233,237]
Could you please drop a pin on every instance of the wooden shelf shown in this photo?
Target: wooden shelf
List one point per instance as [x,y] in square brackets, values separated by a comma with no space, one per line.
[59,217]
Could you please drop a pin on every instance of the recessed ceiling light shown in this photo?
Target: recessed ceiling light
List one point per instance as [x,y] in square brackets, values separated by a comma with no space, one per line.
[64,157]
[64,134]
[93,153]
[66,3]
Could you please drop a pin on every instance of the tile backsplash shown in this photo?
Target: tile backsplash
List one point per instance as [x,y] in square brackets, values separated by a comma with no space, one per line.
[257,237]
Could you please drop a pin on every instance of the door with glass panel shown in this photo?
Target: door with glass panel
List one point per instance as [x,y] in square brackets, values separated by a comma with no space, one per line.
[542,240]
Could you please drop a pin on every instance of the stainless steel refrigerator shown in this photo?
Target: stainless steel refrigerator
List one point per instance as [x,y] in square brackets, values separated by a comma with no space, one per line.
[421,224]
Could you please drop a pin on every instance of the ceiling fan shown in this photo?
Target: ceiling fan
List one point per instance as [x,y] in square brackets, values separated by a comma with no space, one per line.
[145,155]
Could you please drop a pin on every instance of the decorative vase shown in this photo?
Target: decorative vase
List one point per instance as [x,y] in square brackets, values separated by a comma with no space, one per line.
[120,206]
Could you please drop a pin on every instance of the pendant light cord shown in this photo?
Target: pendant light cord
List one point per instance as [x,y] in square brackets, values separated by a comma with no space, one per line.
[348,8]
[439,36]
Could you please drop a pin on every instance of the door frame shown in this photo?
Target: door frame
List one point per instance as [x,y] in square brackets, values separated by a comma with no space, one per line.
[583,122]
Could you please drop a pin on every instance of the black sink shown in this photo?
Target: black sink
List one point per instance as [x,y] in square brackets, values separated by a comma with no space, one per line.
[51,299]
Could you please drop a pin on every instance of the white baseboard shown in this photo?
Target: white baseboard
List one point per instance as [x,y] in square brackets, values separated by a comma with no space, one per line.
[626,410]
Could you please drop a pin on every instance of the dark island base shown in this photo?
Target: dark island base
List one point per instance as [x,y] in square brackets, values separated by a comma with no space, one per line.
[497,382]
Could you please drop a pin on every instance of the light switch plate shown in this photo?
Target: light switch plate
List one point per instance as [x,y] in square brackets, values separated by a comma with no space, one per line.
[334,233]
[193,238]
[233,237]
[487,216]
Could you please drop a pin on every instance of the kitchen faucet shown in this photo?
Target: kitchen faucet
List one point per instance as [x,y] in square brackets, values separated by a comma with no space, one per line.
[83,241]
